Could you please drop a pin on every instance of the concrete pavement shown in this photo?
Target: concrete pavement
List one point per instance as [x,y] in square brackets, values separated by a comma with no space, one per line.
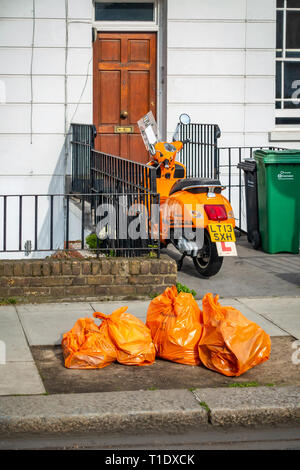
[44,324]
[25,328]
[18,375]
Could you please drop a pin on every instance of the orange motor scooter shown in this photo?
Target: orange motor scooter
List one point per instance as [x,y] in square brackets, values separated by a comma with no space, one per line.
[194,215]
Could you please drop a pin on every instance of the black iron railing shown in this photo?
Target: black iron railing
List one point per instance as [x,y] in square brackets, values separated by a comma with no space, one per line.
[83,137]
[100,179]
[114,174]
[200,155]
[34,223]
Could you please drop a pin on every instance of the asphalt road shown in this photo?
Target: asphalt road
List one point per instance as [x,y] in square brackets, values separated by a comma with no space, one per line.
[279,438]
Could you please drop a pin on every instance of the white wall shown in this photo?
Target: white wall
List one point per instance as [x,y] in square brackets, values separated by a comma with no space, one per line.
[36,109]
[221,66]
[45,83]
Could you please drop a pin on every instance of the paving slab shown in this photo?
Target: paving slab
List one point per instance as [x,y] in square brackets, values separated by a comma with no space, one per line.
[20,378]
[253,314]
[284,312]
[138,308]
[11,333]
[105,412]
[44,324]
[251,406]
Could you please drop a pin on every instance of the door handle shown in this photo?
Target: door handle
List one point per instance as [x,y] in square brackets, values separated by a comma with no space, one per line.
[124,114]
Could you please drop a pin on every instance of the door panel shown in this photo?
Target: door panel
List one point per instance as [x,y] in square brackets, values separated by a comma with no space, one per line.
[110,85]
[138,94]
[139,51]
[124,91]
[110,143]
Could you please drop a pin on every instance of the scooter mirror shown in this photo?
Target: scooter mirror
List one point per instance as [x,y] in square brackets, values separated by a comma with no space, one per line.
[184,119]
[152,149]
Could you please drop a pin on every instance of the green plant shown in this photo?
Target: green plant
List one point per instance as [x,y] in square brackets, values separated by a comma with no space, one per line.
[152,388]
[183,288]
[192,389]
[111,254]
[152,295]
[9,301]
[205,406]
[243,384]
[93,241]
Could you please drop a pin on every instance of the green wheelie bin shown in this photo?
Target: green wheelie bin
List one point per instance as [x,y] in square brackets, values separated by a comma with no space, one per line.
[278,179]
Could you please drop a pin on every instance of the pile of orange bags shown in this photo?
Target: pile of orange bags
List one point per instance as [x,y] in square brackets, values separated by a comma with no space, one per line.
[175,324]
[230,343]
[220,338]
[121,337]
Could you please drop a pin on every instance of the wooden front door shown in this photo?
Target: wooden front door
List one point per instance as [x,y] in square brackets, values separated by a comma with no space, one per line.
[124,91]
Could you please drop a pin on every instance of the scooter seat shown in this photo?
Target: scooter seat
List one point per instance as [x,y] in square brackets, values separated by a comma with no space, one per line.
[192,183]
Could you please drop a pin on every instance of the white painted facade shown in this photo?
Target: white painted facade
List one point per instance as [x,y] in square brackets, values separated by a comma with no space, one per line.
[218,64]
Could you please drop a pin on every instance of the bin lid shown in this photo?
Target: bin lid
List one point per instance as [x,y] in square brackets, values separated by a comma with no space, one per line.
[249,164]
[277,156]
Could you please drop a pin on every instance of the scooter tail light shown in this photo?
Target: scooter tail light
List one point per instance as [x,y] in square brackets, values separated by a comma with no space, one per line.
[215,212]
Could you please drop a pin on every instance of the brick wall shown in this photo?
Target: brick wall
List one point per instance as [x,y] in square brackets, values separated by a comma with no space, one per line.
[68,280]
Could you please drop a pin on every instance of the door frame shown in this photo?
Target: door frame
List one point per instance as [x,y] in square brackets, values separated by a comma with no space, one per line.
[160,27]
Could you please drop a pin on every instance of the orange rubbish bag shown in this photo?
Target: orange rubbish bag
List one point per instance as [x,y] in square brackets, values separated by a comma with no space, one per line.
[230,343]
[175,323]
[130,336]
[88,346]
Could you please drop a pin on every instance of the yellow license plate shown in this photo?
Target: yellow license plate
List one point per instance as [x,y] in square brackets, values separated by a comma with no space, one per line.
[221,233]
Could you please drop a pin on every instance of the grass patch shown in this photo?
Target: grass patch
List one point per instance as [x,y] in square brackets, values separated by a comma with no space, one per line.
[152,388]
[270,385]
[9,301]
[205,406]
[243,384]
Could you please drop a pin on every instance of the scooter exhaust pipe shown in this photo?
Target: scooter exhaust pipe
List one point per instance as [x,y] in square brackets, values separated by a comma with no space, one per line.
[186,247]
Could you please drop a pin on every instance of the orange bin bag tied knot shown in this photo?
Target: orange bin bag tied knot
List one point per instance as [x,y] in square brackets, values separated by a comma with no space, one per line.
[230,344]
[175,323]
[88,346]
[130,336]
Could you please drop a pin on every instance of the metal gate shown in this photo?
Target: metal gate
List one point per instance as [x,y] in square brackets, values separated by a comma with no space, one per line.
[200,155]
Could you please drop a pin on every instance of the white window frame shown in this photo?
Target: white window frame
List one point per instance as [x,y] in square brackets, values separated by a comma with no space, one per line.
[281,112]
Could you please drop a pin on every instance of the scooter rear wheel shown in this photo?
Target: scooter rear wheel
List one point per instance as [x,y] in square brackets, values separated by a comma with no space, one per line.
[208,262]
